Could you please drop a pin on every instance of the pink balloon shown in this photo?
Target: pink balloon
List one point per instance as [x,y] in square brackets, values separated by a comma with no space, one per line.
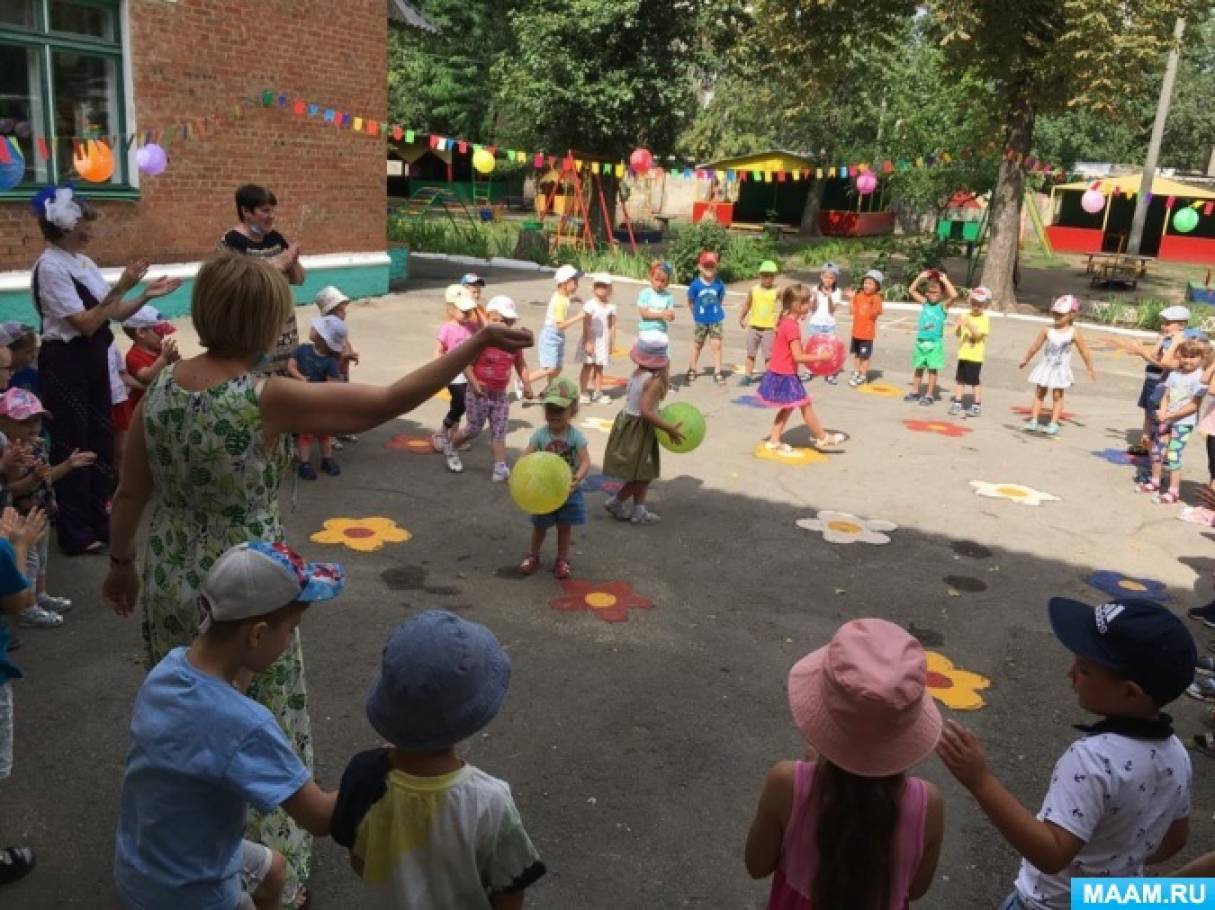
[640,160]
[866,183]
[1092,201]
[152,159]
[817,346]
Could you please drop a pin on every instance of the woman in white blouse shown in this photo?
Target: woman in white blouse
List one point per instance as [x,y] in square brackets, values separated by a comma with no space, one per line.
[76,306]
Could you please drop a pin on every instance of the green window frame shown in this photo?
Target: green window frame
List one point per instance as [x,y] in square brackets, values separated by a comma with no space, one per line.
[63,78]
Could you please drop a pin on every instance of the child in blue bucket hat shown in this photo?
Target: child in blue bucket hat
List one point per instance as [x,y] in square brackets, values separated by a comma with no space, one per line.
[424,828]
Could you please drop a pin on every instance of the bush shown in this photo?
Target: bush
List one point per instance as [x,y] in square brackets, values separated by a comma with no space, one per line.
[432,235]
[690,241]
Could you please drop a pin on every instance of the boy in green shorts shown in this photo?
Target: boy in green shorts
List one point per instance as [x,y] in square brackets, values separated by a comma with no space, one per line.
[929,350]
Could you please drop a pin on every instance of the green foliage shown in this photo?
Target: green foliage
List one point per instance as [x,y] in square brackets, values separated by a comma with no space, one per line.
[433,235]
[616,261]
[689,241]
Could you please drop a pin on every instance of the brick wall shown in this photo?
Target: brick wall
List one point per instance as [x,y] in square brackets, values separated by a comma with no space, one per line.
[192,58]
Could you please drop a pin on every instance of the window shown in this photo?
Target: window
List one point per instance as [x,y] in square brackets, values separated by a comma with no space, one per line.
[61,79]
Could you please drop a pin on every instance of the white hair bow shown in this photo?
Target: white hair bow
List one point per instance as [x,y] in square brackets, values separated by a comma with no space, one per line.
[63,211]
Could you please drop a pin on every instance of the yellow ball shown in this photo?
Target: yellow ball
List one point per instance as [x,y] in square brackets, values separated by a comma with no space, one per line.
[540,483]
[483,161]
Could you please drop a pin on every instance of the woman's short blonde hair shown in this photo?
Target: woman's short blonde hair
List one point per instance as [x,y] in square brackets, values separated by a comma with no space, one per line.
[240,305]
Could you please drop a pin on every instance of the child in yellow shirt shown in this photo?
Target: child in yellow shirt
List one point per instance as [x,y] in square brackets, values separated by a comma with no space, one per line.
[761,306]
[972,329]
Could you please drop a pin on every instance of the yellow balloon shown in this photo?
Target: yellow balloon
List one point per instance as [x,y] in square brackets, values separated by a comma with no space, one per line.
[483,161]
[540,483]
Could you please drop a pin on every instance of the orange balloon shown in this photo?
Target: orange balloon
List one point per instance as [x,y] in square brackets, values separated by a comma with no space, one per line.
[94,161]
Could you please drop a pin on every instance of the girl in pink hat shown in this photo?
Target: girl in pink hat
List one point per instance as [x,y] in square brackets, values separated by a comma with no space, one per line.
[851,829]
[1054,371]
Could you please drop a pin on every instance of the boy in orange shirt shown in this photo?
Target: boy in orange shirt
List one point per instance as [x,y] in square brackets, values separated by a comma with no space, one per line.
[866,308]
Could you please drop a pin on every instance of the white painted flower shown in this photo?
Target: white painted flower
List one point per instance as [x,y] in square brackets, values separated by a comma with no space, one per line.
[597,423]
[1027,496]
[843,527]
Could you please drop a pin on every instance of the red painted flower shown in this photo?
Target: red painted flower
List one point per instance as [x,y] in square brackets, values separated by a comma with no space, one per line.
[403,442]
[1025,411]
[943,427]
[610,601]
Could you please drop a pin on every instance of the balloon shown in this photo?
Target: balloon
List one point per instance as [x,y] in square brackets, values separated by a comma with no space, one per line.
[1185,220]
[640,161]
[6,125]
[866,184]
[483,161]
[817,346]
[540,483]
[691,427]
[94,162]
[13,171]
[1092,201]
[152,159]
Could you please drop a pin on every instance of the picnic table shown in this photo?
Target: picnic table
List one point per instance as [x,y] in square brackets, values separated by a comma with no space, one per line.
[1121,268]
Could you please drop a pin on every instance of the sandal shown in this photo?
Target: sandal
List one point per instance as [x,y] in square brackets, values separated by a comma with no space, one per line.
[562,569]
[531,562]
[1167,498]
[830,442]
[690,376]
[1149,487]
[16,863]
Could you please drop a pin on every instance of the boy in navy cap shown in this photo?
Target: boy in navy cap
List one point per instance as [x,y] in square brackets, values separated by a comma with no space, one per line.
[424,829]
[1119,798]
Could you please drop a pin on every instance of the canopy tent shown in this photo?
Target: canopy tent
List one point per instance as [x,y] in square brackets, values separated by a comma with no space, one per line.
[770,162]
[1129,184]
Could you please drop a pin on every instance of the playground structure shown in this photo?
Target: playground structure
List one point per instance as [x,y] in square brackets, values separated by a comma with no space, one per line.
[575,187]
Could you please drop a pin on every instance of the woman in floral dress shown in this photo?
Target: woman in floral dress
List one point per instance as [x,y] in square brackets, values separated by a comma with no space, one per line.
[209,451]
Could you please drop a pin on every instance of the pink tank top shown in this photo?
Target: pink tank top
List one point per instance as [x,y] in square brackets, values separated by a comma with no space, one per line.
[794,876]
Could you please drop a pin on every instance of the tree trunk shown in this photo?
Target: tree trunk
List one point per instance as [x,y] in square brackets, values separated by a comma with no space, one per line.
[1004,214]
[814,202]
[600,227]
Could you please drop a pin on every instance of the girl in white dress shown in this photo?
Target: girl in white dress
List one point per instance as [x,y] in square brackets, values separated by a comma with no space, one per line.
[598,338]
[1054,371]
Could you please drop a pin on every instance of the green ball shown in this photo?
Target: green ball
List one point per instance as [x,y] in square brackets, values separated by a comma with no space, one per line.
[1185,220]
[540,483]
[691,427]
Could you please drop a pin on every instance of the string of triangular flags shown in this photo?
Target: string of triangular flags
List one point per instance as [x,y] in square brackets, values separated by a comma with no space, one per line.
[1207,206]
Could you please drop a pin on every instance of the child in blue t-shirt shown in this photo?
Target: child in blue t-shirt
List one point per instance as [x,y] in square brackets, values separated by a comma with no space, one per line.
[558,435]
[202,752]
[655,305]
[706,297]
[319,361]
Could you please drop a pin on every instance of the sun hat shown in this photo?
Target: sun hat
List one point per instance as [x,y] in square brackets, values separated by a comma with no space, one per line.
[148,317]
[708,257]
[651,350]
[1136,638]
[12,332]
[472,278]
[256,578]
[1175,313]
[20,404]
[862,702]
[566,273]
[876,276]
[601,278]
[457,295]
[1065,304]
[830,268]
[332,331]
[441,679]
[503,306]
[562,393]
[768,267]
[982,294]
[329,299]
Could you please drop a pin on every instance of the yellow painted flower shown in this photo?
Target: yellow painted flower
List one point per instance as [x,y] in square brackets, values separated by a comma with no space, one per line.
[597,423]
[363,534]
[953,687]
[799,457]
[443,395]
[884,389]
[843,527]
[1027,496]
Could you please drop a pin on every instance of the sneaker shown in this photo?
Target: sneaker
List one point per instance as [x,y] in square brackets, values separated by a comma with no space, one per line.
[348,437]
[780,448]
[1051,429]
[616,508]
[453,460]
[854,380]
[1204,614]
[927,401]
[54,604]
[337,445]
[1031,426]
[804,376]
[330,467]
[833,379]
[690,376]
[643,516]
[1202,688]
[438,442]
[1205,666]
[862,379]
[955,408]
[745,381]
[501,473]
[306,471]
[719,378]
[36,617]
[912,397]
[975,410]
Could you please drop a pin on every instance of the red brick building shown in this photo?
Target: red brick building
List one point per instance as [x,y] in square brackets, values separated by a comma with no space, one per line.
[123,67]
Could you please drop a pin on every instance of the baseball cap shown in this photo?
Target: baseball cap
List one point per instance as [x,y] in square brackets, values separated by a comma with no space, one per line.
[1175,313]
[1065,304]
[20,404]
[1136,638]
[457,295]
[503,306]
[329,299]
[876,276]
[602,278]
[148,317]
[830,267]
[11,332]
[566,273]
[708,257]
[332,331]
[562,393]
[472,278]
[442,679]
[768,267]
[258,577]
[981,294]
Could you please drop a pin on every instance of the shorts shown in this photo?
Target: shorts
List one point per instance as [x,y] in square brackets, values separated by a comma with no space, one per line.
[862,348]
[255,863]
[35,561]
[705,330]
[550,348]
[760,340]
[572,512]
[928,355]
[6,730]
[455,413]
[120,415]
[968,372]
[493,408]
[1150,394]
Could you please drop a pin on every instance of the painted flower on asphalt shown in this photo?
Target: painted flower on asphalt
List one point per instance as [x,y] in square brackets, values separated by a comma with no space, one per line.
[798,457]
[881,389]
[1027,496]
[403,442]
[843,527]
[943,427]
[614,382]
[952,686]
[748,401]
[597,423]
[610,601]
[363,534]
[1115,584]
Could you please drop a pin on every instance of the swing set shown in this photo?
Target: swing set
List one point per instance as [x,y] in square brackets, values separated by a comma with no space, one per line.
[571,226]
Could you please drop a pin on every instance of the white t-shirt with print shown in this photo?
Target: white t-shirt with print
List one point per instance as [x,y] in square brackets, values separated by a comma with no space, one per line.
[1184,388]
[1117,794]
